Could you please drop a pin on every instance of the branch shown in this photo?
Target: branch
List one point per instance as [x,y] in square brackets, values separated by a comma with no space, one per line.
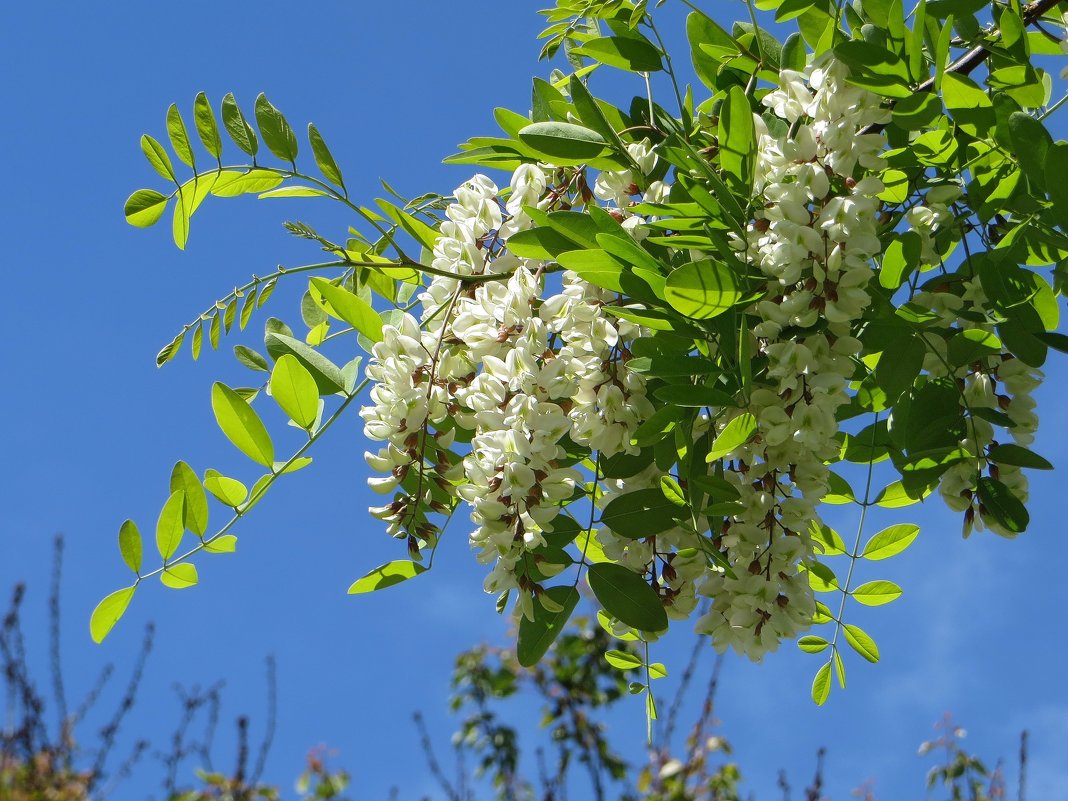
[971,60]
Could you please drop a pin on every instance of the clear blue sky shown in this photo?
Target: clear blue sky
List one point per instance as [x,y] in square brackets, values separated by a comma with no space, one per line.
[91,427]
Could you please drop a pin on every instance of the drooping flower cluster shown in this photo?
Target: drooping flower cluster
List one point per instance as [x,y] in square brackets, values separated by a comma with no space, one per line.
[814,240]
[521,359]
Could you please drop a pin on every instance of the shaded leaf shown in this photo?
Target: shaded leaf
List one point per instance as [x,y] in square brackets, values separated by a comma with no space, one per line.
[387,575]
[626,596]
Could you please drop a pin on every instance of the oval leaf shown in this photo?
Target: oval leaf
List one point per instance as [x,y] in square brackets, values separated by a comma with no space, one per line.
[108,612]
[195,515]
[627,597]
[387,575]
[170,526]
[862,643]
[241,425]
[535,636]
[999,502]
[877,593]
[812,644]
[351,308]
[563,140]
[735,434]
[640,514]
[275,130]
[622,660]
[890,541]
[323,158]
[207,127]
[228,490]
[821,685]
[237,126]
[702,289]
[293,388]
[179,577]
[144,207]
[130,545]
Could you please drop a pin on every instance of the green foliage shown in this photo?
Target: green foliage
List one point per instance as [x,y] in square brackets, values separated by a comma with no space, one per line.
[967,253]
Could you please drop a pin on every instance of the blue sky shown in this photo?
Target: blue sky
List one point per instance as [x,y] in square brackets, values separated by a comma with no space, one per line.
[92,427]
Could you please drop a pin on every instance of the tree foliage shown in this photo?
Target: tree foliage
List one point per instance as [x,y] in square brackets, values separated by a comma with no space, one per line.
[827,274]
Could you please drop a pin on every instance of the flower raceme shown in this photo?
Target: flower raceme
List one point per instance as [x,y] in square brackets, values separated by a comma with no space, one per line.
[531,367]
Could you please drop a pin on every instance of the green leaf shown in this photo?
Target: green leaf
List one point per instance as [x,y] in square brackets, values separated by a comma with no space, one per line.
[862,643]
[293,388]
[876,593]
[812,644]
[971,344]
[901,257]
[625,52]
[626,596]
[351,308]
[662,423]
[170,526]
[1031,142]
[180,576]
[179,136]
[1057,181]
[539,243]
[130,545]
[658,671]
[839,490]
[157,157]
[327,375]
[195,512]
[231,183]
[535,636]
[238,127]
[820,577]
[895,496]
[622,660]
[702,289]
[227,543]
[672,491]
[275,130]
[735,434]
[251,359]
[875,68]
[144,207]
[890,541]
[387,575]
[821,685]
[899,366]
[917,111]
[323,157]
[829,541]
[293,191]
[108,612]
[639,514]
[968,104]
[229,491]
[207,127]
[592,117]
[790,9]
[999,502]
[794,55]
[1019,456]
[737,139]
[563,140]
[241,425]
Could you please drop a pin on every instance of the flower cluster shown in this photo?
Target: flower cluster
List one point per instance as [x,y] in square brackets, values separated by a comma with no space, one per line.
[522,360]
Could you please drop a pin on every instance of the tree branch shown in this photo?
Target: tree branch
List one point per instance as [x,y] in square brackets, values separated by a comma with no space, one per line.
[971,60]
